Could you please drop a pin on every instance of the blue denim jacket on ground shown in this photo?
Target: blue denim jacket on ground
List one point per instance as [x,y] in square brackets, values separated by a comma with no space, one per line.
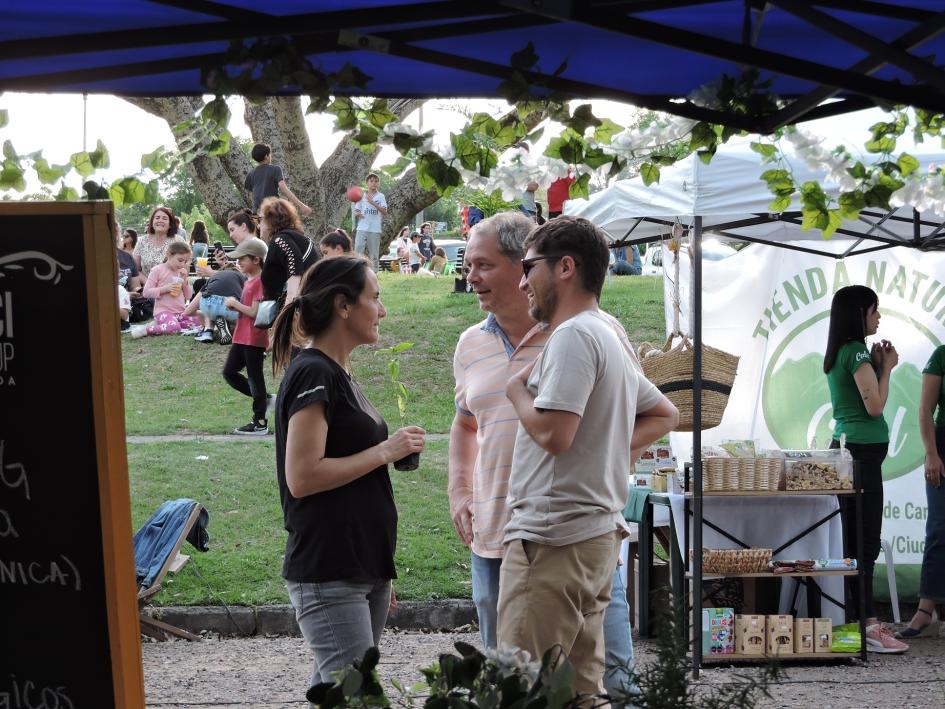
[157,537]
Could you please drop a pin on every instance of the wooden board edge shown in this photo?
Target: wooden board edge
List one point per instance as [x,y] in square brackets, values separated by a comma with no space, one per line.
[112,456]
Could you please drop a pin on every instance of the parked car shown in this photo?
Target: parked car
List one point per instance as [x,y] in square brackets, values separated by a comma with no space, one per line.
[712,250]
[454,248]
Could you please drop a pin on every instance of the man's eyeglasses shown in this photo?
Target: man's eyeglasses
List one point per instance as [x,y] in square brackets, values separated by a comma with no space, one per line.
[529,263]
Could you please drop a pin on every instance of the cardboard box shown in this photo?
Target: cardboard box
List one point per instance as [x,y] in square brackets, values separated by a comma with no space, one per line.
[750,634]
[721,625]
[823,634]
[780,631]
[803,635]
[655,456]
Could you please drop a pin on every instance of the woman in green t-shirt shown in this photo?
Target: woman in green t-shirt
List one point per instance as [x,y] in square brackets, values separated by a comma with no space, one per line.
[932,428]
[859,386]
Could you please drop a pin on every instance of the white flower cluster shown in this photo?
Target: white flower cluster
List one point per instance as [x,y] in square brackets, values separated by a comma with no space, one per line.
[922,191]
[811,150]
[518,661]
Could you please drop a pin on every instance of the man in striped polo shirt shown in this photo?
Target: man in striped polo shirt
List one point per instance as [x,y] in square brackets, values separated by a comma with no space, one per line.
[483,433]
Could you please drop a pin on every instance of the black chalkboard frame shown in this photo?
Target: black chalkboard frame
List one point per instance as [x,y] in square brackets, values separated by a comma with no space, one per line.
[93,222]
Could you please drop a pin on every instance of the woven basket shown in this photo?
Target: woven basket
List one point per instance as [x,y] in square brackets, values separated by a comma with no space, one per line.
[733,474]
[734,561]
[670,369]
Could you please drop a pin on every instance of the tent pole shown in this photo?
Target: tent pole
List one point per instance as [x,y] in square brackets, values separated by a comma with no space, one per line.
[696,331]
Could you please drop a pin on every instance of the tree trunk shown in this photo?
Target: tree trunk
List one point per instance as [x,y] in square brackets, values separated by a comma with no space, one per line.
[214,181]
[280,122]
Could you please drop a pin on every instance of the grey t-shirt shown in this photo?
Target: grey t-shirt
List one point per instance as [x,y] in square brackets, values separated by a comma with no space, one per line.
[263,181]
[580,494]
[228,282]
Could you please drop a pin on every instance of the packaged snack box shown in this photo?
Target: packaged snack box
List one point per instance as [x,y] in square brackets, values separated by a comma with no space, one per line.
[803,635]
[780,632]
[750,634]
[823,634]
[721,624]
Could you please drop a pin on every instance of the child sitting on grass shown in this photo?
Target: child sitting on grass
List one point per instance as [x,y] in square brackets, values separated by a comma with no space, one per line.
[167,284]
[438,262]
[249,342]
[210,302]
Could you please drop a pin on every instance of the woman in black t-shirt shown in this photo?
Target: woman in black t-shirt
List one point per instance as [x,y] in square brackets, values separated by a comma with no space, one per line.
[332,451]
[291,253]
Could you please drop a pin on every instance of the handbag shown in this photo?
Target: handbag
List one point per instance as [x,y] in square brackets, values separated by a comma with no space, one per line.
[266,313]
[269,309]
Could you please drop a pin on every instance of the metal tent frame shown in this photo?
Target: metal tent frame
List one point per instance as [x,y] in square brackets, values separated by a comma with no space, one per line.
[865,53]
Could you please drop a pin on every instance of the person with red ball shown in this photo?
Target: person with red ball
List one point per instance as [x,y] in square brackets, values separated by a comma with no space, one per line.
[369,211]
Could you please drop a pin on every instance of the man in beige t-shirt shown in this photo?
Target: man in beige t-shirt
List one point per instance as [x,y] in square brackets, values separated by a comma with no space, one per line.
[582,407]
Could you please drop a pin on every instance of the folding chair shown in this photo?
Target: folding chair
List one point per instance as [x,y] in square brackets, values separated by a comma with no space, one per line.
[172,562]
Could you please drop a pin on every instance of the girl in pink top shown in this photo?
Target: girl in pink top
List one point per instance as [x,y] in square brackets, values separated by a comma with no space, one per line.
[168,285]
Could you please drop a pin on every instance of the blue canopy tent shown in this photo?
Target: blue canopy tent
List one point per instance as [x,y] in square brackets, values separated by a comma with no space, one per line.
[823,57]
[647,52]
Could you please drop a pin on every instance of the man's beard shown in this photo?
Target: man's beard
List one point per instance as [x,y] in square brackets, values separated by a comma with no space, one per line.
[543,305]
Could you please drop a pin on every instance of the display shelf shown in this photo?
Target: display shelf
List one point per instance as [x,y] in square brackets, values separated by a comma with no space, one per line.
[693,583]
[792,657]
[770,575]
[770,493]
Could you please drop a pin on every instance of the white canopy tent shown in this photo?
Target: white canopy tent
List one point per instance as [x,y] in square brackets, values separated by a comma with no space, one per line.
[728,198]
[732,200]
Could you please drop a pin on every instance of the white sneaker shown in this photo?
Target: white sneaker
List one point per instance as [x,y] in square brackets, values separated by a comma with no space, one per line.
[139,331]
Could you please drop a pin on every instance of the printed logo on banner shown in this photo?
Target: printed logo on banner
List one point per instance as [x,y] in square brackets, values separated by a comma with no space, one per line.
[795,395]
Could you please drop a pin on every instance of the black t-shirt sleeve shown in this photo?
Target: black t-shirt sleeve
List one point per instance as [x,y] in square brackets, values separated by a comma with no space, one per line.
[248,184]
[311,384]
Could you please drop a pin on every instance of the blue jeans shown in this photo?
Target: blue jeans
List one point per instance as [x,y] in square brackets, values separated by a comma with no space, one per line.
[339,620]
[212,306]
[932,581]
[485,593]
[618,645]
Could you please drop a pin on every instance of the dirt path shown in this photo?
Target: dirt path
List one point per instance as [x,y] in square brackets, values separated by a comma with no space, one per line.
[272,672]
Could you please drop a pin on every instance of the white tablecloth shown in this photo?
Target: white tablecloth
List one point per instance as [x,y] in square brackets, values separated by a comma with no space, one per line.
[769,522]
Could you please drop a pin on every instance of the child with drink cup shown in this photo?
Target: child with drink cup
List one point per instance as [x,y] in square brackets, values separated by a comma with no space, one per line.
[168,285]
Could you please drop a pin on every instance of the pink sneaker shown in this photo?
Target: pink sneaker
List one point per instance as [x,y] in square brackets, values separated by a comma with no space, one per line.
[879,639]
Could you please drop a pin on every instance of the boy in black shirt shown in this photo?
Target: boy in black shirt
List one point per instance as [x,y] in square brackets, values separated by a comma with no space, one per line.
[265,180]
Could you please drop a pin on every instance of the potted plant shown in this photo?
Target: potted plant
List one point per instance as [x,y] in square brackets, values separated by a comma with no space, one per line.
[412,461]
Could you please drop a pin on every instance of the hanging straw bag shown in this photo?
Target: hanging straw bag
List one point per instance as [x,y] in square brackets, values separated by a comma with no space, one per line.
[671,370]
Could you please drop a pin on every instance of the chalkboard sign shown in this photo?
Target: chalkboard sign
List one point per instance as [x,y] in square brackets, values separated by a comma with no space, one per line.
[67,593]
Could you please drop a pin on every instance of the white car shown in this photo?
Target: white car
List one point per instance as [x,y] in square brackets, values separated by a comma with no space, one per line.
[712,250]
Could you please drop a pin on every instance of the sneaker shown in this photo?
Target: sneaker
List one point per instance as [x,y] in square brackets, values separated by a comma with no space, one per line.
[879,639]
[205,336]
[253,428]
[222,327]
[139,331]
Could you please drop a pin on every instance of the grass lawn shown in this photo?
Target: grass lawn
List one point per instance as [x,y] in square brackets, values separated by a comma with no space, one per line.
[237,484]
[173,384]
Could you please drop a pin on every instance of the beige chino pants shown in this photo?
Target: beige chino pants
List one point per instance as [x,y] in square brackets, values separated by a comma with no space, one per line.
[551,595]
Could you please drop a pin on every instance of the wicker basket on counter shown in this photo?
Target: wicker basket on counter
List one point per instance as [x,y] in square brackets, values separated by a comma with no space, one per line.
[741,474]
